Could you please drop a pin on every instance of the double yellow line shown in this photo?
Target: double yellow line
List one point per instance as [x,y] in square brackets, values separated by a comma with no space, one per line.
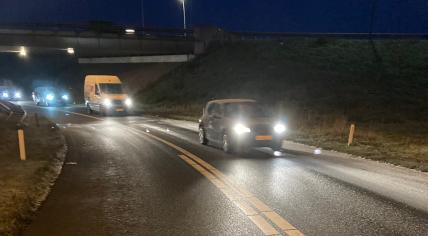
[267,220]
[258,212]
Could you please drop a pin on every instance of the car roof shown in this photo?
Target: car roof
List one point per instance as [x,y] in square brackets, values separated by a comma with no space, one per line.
[236,100]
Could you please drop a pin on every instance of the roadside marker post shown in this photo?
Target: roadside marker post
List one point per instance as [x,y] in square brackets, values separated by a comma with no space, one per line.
[21,142]
[351,134]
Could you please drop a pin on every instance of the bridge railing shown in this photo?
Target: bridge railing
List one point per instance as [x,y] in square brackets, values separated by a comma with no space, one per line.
[113,31]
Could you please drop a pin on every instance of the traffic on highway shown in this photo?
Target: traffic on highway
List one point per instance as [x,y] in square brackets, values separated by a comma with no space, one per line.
[182,117]
[154,177]
[142,169]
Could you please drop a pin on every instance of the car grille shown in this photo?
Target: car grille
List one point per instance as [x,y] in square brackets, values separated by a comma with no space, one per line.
[117,102]
[262,129]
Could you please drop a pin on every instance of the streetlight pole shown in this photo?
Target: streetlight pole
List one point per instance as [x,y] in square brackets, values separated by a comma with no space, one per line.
[184,14]
[142,13]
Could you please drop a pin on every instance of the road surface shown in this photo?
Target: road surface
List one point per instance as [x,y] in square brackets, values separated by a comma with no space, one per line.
[140,175]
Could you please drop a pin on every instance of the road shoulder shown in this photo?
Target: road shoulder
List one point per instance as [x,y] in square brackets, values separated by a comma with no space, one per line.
[26,184]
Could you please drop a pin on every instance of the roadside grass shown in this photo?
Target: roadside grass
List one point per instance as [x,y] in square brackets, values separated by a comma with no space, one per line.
[25,184]
[321,86]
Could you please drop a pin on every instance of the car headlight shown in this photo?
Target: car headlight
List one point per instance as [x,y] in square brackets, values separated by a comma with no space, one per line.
[128,102]
[5,95]
[107,103]
[17,95]
[50,97]
[279,128]
[241,129]
[65,97]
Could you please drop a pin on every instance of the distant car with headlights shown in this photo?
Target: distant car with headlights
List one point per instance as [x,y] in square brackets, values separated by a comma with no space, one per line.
[50,96]
[104,94]
[239,124]
[10,93]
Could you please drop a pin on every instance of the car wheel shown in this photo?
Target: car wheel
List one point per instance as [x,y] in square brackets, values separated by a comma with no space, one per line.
[226,145]
[202,137]
[88,108]
[277,147]
[103,111]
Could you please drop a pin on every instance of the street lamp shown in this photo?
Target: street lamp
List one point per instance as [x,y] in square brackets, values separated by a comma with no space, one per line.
[70,51]
[22,52]
[130,31]
[184,13]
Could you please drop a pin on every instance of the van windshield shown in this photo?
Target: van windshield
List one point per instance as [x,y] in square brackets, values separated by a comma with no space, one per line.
[111,88]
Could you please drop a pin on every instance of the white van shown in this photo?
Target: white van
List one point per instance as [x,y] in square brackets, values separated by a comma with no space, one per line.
[104,94]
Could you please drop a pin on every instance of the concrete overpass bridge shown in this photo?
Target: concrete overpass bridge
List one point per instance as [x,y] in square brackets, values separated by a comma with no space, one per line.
[96,45]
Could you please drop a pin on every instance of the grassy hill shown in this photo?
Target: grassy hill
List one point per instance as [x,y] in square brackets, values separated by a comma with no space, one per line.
[321,86]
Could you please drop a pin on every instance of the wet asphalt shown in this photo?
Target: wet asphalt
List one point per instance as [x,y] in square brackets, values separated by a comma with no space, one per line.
[116,181]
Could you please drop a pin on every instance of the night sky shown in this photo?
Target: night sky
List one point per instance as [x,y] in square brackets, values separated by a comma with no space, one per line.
[239,15]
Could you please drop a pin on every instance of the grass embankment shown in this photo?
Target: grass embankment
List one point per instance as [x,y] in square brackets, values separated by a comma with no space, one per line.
[322,86]
[24,184]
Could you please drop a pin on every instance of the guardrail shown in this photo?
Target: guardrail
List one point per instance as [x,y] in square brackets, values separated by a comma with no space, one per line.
[14,111]
[279,36]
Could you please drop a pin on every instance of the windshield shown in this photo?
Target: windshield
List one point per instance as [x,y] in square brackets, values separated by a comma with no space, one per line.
[111,88]
[249,109]
[48,90]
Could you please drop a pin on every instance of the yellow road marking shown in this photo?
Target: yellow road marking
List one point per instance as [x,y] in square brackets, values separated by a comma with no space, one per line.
[258,204]
[228,187]
[221,181]
[294,233]
[248,210]
[232,195]
[263,225]
[279,221]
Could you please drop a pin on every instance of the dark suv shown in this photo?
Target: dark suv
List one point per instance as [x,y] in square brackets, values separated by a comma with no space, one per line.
[239,124]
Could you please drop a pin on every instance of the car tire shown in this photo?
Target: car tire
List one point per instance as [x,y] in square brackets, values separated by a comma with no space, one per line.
[202,136]
[277,147]
[226,145]
[88,108]
[103,111]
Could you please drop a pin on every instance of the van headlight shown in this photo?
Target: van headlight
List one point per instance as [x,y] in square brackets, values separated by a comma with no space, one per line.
[241,129]
[65,97]
[128,102]
[5,94]
[17,95]
[279,128]
[50,97]
[107,103]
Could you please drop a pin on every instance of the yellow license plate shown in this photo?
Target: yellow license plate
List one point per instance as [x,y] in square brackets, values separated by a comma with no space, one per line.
[119,109]
[264,137]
